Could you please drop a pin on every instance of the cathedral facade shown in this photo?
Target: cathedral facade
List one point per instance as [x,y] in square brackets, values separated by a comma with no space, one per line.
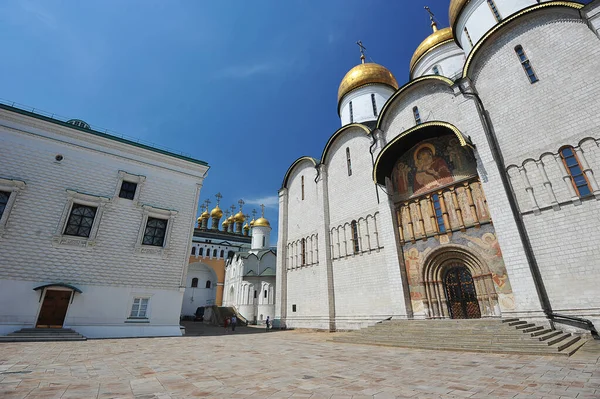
[468,192]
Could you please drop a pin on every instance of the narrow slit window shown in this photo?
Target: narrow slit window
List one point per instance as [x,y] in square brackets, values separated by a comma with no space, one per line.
[222,253]
[374,104]
[214,253]
[436,70]
[201,252]
[351,113]
[302,181]
[580,182]
[194,282]
[526,64]
[208,284]
[193,250]
[348,161]
[468,36]
[438,213]
[494,9]
[417,115]
[303,245]
[355,245]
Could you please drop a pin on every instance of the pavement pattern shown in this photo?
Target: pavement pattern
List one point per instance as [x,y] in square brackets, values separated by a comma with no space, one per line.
[251,363]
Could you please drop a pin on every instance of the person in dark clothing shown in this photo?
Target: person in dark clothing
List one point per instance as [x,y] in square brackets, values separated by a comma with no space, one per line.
[233,322]
[268,322]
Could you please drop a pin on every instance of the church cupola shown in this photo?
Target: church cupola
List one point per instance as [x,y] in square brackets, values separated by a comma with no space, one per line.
[216,214]
[261,232]
[438,54]
[364,91]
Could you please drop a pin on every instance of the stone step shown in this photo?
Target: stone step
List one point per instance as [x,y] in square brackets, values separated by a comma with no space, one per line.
[40,339]
[541,332]
[517,323]
[43,335]
[533,329]
[46,330]
[509,320]
[558,338]
[569,342]
[531,343]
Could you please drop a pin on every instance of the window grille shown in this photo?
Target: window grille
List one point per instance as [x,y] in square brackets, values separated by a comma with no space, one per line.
[526,64]
[355,244]
[4,196]
[438,213]
[351,113]
[417,115]
[348,162]
[127,190]
[374,104]
[580,182]
[80,220]
[139,308]
[155,232]
[494,9]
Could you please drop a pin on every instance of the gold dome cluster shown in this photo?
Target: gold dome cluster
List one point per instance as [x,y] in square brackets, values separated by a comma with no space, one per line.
[436,38]
[233,223]
[363,74]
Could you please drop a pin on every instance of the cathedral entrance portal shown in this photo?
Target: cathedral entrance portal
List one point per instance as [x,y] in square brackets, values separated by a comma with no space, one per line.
[460,291]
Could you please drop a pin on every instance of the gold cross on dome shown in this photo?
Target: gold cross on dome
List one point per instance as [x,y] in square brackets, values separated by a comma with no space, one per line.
[362,51]
[219,196]
[241,202]
[232,207]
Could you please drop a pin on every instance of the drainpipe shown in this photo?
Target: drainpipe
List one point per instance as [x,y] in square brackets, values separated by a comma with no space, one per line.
[525,241]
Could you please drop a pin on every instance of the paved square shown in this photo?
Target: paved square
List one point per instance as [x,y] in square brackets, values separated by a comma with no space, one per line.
[252,363]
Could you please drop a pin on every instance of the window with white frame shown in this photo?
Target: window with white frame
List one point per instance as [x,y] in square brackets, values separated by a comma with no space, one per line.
[156,229]
[139,308]
[129,186]
[8,193]
[80,220]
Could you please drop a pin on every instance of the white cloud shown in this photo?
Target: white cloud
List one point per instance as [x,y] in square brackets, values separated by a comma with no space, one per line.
[245,71]
[269,202]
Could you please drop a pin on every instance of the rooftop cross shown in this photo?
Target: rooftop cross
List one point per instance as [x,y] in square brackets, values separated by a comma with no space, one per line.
[362,51]
[241,202]
[219,196]
[207,203]
[431,17]
[232,207]
[253,213]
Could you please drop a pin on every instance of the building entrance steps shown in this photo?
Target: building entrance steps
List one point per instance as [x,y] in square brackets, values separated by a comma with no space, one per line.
[481,335]
[43,334]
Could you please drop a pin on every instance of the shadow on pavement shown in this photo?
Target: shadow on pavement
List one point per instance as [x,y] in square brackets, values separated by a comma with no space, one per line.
[198,329]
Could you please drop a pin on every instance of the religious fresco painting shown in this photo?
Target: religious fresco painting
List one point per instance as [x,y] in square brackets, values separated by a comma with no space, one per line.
[481,241]
[431,164]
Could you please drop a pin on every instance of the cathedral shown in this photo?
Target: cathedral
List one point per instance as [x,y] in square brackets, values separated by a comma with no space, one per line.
[468,192]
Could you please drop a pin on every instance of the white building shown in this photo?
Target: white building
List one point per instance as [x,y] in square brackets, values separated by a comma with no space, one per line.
[250,276]
[499,122]
[94,230]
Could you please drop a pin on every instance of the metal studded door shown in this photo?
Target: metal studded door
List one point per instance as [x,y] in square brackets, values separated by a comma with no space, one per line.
[460,291]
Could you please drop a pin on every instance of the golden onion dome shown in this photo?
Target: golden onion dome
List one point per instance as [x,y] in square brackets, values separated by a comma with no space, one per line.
[230,219]
[261,222]
[437,37]
[225,222]
[252,223]
[216,212]
[199,219]
[363,74]
[204,215]
[239,217]
[246,227]
[456,7]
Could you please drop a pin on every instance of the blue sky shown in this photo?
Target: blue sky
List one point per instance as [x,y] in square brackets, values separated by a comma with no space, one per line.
[247,86]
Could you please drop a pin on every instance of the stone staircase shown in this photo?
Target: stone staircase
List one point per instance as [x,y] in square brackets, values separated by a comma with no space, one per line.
[42,335]
[481,335]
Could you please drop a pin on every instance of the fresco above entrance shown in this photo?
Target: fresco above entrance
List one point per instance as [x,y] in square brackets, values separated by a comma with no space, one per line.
[432,164]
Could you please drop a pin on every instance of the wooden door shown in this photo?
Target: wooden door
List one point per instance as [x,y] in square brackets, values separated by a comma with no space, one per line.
[460,290]
[54,309]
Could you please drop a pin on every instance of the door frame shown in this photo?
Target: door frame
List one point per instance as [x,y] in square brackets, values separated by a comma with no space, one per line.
[43,297]
[455,268]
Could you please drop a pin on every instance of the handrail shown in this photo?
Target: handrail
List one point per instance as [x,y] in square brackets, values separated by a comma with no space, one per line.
[579,322]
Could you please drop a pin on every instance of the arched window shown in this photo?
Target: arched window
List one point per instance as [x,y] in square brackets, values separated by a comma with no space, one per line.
[417,115]
[494,9]
[194,282]
[222,253]
[265,293]
[302,181]
[207,284]
[374,104]
[351,113]
[214,253]
[348,161]
[436,70]
[526,64]
[264,241]
[303,248]
[193,250]
[355,245]
[573,166]
[468,37]
[438,213]
[201,251]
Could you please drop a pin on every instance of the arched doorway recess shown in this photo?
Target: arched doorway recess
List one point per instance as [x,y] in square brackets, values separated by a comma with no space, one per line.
[456,282]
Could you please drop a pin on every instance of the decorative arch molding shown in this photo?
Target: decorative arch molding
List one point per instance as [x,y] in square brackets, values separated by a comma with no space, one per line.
[338,134]
[297,162]
[406,89]
[508,21]
[404,141]
[435,267]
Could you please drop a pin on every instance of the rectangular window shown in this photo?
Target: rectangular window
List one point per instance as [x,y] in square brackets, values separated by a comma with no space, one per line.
[303,248]
[526,64]
[127,190]
[494,9]
[574,169]
[438,213]
[139,309]
[302,180]
[293,308]
[348,161]
[155,231]
[80,220]
[265,293]
[351,113]
[355,243]
[417,115]
[374,104]
[4,196]
[468,37]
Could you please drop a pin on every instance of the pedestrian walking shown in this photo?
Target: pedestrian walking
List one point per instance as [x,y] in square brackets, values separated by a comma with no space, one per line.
[268,322]
[226,324]
[233,322]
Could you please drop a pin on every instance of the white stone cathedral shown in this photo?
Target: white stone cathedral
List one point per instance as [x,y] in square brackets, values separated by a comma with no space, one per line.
[470,191]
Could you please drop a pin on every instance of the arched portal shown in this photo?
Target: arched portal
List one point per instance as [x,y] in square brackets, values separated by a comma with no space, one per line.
[458,284]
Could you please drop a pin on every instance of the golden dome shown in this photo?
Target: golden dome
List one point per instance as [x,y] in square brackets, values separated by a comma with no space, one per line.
[252,223]
[239,217]
[225,222]
[246,227]
[204,215]
[432,40]
[216,212]
[363,74]
[456,7]
[261,222]
[199,219]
